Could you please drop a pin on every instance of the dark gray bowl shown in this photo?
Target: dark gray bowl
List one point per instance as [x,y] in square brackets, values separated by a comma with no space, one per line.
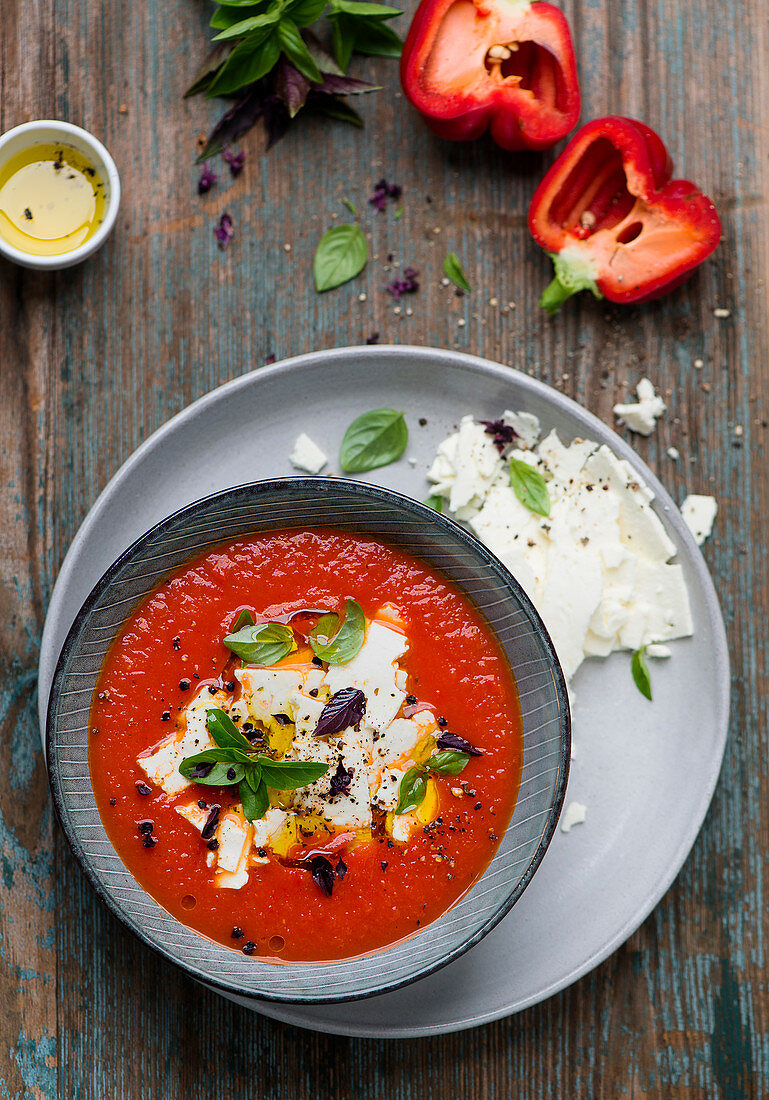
[351,506]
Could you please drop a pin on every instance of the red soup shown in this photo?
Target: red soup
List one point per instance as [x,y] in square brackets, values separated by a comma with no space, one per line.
[312,789]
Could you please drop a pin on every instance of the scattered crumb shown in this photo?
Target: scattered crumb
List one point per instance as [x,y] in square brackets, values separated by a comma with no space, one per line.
[307,455]
[642,417]
[722,313]
[674,453]
[699,513]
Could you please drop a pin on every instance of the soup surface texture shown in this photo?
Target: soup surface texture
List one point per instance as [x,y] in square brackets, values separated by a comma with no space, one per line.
[402,698]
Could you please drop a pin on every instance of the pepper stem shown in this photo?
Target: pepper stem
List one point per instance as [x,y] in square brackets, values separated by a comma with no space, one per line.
[574,271]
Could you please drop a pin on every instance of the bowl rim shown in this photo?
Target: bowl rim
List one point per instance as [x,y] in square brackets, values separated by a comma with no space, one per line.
[314,484]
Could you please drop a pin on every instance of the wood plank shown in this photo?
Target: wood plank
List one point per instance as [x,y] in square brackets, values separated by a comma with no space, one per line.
[92,361]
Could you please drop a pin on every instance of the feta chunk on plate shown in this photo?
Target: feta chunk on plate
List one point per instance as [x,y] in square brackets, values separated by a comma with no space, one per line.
[307,455]
[699,513]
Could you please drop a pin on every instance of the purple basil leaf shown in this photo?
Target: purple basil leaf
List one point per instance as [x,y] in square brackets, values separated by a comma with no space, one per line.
[345,708]
[200,771]
[236,122]
[454,741]
[291,86]
[503,434]
[340,780]
[345,85]
[333,107]
[341,869]
[323,874]
[209,68]
[276,119]
[211,822]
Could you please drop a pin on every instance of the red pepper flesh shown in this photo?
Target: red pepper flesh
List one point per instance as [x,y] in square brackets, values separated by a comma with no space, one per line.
[614,222]
[507,66]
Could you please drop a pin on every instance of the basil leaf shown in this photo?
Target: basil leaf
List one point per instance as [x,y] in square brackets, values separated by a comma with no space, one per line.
[333,107]
[449,740]
[374,439]
[254,777]
[453,270]
[306,12]
[341,254]
[335,644]
[375,39]
[245,618]
[255,800]
[448,762]
[412,791]
[342,40]
[287,775]
[345,708]
[209,69]
[219,774]
[225,732]
[529,486]
[369,11]
[246,26]
[263,644]
[296,51]
[641,673]
[251,59]
[322,874]
[434,501]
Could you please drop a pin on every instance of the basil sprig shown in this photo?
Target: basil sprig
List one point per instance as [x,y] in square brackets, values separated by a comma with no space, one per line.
[334,643]
[341,254]
[640,672]
[234,761]
[262,643]
[374,439]
[434,501]
[453,270]
[529,486]
[413,788]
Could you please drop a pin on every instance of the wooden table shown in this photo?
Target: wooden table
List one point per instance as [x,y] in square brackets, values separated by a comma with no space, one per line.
[94,359]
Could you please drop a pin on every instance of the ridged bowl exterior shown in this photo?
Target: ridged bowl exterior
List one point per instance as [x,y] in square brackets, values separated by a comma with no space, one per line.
[348,506]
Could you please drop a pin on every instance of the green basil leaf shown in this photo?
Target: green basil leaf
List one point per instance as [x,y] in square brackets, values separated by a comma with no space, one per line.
[529,486]
[376,39]
[342,40]
[246,26]
[640,672]
[251,59]
[219,775]
[448,762]
[254,776]
[240,3]
[245,618]
[296,51]
[287,775]
[255,800]
[263,644]
[306,12]
[374,439]
[332,106]
[434,501]
[341,254]
[225,733]
[412,791]
[335,644]
[209,69]
[366,10]
[453,270]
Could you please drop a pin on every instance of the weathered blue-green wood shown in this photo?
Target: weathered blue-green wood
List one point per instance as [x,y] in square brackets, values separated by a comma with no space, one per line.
[92,360]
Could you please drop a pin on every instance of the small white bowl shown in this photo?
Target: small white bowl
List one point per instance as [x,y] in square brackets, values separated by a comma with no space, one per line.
[50,132]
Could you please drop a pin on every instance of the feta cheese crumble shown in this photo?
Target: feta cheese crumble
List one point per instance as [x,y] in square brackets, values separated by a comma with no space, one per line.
[307,455]
[574,814]
[699,515]
[642,417]
[598,568]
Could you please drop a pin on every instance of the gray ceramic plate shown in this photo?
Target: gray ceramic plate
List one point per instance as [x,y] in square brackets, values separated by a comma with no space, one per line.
[646,771]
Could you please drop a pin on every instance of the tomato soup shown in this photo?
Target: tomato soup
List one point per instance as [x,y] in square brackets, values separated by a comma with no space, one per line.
[307,788]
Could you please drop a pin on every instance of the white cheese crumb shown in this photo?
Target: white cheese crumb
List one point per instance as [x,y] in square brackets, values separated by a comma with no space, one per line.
[574,814]
[699,512]
[525,425]
[307,455]
[658,651]
[642,417]
[674,453]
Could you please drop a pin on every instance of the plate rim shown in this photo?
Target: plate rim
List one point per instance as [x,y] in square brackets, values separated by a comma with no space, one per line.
[665,503]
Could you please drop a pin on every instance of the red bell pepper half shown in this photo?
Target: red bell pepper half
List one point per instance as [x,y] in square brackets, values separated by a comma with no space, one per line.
[507,66]
[614,222]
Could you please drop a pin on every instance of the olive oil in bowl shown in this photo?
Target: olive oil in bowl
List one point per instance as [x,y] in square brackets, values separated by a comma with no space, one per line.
[51,200]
